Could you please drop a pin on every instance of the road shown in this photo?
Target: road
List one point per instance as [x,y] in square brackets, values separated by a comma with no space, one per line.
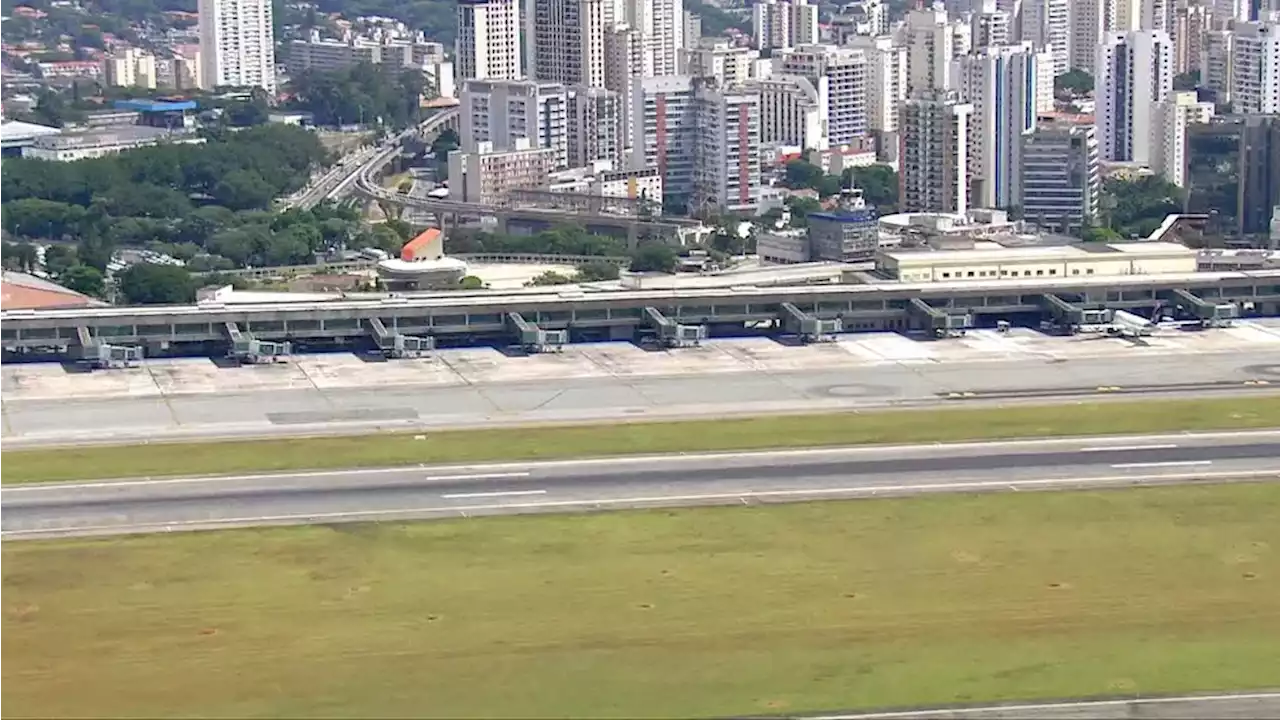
[147,505]
[1254,706]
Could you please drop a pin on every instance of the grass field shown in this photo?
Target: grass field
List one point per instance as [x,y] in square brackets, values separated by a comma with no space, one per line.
[694,612]
[904,426]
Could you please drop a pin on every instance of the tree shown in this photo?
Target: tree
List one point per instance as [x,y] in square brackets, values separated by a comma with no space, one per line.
[1187,80]
[1093,233]
[1075,82]
[802,174]
[879,185]
[654,258]
[1139,206]
[801,207]
[83,279]
[59,258]
[242,190]
[20,256]
[147,284]
[549,277]
[597,271]
[471,282]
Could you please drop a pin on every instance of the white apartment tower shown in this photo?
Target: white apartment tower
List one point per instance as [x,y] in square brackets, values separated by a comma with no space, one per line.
[565,40]
[782,24]
[930,42]
[1002,85]
[1217,58]
[594,127]
[1178,110]
[704,140]
[1190,23]
[501,113]
[1134,74]
[488,45]
[991,28]
[886,80]
[845,70]
[1255,68]
[1047,24]
[729,64]
[668,35]
[793,111]
[1091,20]
[237,44]
[934,149]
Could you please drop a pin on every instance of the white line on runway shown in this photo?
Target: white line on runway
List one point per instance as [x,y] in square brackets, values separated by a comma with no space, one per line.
[274,476]
[661,500]
[1171,463]
[1127,448]
[507,493]
[1048,706]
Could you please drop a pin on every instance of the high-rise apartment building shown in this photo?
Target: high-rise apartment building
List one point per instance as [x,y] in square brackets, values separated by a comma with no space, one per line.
[692,29]
[704,140]
[487,175]
[132,67]
[846,72]
[565,40]
[886,79]
[1060,186]
[991,28]
[1091,20]
[793,111]
[1190,22]
[782,24]
[1255,68]
[729,64]
[595,117]
[1047,24]
[1002,85]
[1169,131]
[862,17]
[488,45]
[933,129]
[500,113]
[668,35]
[1134,74]
[1216,60]
[930,41]
[237,44]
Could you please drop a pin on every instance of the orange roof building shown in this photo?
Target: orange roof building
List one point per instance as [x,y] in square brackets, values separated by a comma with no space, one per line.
[428,245]
[20,291]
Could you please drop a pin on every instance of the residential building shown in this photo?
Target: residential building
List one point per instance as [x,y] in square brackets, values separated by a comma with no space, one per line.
[391,54]
[933,156]
[1047,24]
[1060,186]
[704,140]
[640,184]
[886,79]
[1001,84]
[782,24]
[1134,75]
[845,70]
[931,45]
[1190,23]
[487,175]
[69,147]
[1255,68]
[237,44]
[1179,110]
[132,67]
[565,40]
[501,113]
[692,29]
[861,17]
[1216,64]
[1091,20]
[488,45]
[668,35]
[991,28]
[717,58]
[594,127]
[793,111]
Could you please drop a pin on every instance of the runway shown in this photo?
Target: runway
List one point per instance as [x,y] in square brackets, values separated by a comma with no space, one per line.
[1253,706]
[145,505]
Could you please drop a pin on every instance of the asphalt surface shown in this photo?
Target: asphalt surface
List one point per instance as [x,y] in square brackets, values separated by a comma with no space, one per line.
[147,505]
[1256,706]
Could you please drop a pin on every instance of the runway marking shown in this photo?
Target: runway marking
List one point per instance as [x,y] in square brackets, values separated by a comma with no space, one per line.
[869,491]
[275,476]
[1171,463]
[505,493]
[1127,448]
[932,713]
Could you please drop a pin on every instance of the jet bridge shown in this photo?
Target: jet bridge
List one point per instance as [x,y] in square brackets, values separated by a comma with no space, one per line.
[1071,318]
[105,356]
[396,345]
[534,339]
[672,334]
[1209,314]
[940,323]
[245,348]
[810,329]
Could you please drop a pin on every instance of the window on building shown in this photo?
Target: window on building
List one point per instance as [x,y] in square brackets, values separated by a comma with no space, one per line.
[1088,271]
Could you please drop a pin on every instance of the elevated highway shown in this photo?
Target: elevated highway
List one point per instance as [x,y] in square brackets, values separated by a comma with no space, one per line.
[671,316]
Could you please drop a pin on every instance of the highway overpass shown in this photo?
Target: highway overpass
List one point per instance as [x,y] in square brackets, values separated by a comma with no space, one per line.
[672,317]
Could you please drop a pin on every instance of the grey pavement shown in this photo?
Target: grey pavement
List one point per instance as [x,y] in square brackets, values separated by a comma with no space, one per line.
[512,488]
[196,398]
[1256,705]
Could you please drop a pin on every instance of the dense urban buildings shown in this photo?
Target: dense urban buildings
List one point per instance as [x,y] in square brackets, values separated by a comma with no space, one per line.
[1134,74]
[934,154]
[488,45]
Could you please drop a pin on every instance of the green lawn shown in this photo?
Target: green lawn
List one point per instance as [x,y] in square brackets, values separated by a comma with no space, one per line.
[681,613]
[525,443]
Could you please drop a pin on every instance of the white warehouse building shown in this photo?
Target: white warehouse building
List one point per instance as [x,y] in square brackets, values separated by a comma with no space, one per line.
[1138,258]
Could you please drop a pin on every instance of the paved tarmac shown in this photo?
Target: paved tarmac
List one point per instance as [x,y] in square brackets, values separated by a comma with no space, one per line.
[196,398]
[514,488]
[1253,706]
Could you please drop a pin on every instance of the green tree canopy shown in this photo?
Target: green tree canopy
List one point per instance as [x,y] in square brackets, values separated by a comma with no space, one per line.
[147,284]
[654,257]
[1074,82]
